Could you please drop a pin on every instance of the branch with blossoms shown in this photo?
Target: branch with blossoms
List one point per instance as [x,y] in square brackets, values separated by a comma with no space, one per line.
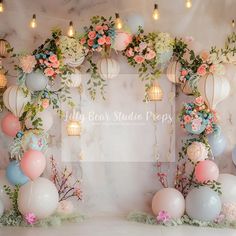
[162,176]
[66,187]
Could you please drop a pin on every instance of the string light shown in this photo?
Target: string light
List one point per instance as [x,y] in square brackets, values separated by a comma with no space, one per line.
[156,13]
[1,6]
[188,4]
[233,24]
[118,22]
[33,23]
[71,30]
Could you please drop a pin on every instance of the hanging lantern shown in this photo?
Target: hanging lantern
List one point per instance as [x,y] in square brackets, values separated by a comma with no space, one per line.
[213,89]
[173,71]
[155,93]
[3,81]
[108,68]
[4,47]
[186,88]
[73,128]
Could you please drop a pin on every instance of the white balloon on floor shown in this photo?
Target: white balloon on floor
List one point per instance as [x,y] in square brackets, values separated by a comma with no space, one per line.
[15,100]
[213,89]
[39,197]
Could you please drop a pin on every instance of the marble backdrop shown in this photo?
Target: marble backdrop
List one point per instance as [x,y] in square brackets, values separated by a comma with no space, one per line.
[115,159]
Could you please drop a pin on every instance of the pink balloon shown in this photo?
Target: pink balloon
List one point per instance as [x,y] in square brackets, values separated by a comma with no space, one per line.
[33,164]
[10,125]
[206,171]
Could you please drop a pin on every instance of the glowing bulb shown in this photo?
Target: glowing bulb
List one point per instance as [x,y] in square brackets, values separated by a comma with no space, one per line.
[156,13]
[71,30]
[188,4]
[33,23]
[1,6]
[118,21]
[233,23]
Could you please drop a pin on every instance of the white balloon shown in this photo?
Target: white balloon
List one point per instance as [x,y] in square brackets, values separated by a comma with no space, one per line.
[1,208]
[15,100]
[47,121]
[228,188]
[197,151]
[39,197]
[213,89]
[108,68]
[36,81]
[134,21]
[173,71]
[3,196]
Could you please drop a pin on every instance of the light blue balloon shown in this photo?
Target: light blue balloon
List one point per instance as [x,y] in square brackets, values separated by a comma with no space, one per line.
[188,127]
[203,204]
[15,175]
[234,155]
[135,20]
[217,142]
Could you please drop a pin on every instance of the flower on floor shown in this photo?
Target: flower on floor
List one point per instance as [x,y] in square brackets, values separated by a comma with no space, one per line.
[163,217]
[30,218]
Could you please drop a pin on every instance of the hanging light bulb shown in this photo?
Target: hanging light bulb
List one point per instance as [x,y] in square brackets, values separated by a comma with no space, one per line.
[71,30]
[156,14]
[33,23]
[118,22]
[233,24]
[188,4]
[155,92]
[1,6]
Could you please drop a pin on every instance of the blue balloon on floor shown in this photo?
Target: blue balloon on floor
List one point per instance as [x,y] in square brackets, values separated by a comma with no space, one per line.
[234,155]
[15,175]
[217,142]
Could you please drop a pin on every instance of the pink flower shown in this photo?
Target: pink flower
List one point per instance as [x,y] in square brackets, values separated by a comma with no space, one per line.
[53,58]
[187,119]
[92,35]
[202,70]
[101,41]
[45,103]
[49,72]
[204,55]
[136,49]
[105,27]
[139,59]
[99,28]
[142,46]
[108,40]
[163,217]
[30,218]
[99,49]
[129,52]
[150,55]
[27,63]
[56,64]
[83,41]
[184,72]
[90,42]
[199,101]
[196,124]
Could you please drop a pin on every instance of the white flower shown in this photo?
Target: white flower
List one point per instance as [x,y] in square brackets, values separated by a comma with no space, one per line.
[163,43]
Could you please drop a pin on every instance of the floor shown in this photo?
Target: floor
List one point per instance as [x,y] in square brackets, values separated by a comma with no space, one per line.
[114,226]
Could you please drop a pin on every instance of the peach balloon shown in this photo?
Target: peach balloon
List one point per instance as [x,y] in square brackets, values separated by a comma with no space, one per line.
[169,200]
[122,40]
[206,171]
[10,125]
[33,164]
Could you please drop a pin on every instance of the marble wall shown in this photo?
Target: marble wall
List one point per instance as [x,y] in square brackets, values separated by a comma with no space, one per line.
[116,160]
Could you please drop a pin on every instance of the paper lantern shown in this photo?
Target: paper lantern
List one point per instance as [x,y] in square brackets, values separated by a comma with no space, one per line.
[108,68]
[74,80]
[74,62]
[173,71]
[36,81]
[73,128]
[15,100]
[155,93]
[3,81]
[186,88]
[213,89]
[197,151]
[4,46]
[122,40]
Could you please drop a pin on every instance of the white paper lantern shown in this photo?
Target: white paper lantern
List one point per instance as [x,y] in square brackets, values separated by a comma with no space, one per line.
[108,68]
[45,116]
[36,81]
[213,89]
[4,46]
[197,151]
[74,80]
[73,128]
[173,71]
[15,100]
[74,62]
[155,93]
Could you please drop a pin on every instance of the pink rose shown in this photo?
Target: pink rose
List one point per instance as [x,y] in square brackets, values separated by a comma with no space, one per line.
[142,46]
[45,103]
[30,218]
[108,40]
[49,72]
[90,42]
[101,40]
[187,119]
[184,72]
[150,55]
[105,27]
[204,55]
[129,52]
[56,64]
[27,63]
[139,59]
[99,28]
[53,58]
[202,70]
[199,101]
[136,49]
[83,41]
[92,35]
